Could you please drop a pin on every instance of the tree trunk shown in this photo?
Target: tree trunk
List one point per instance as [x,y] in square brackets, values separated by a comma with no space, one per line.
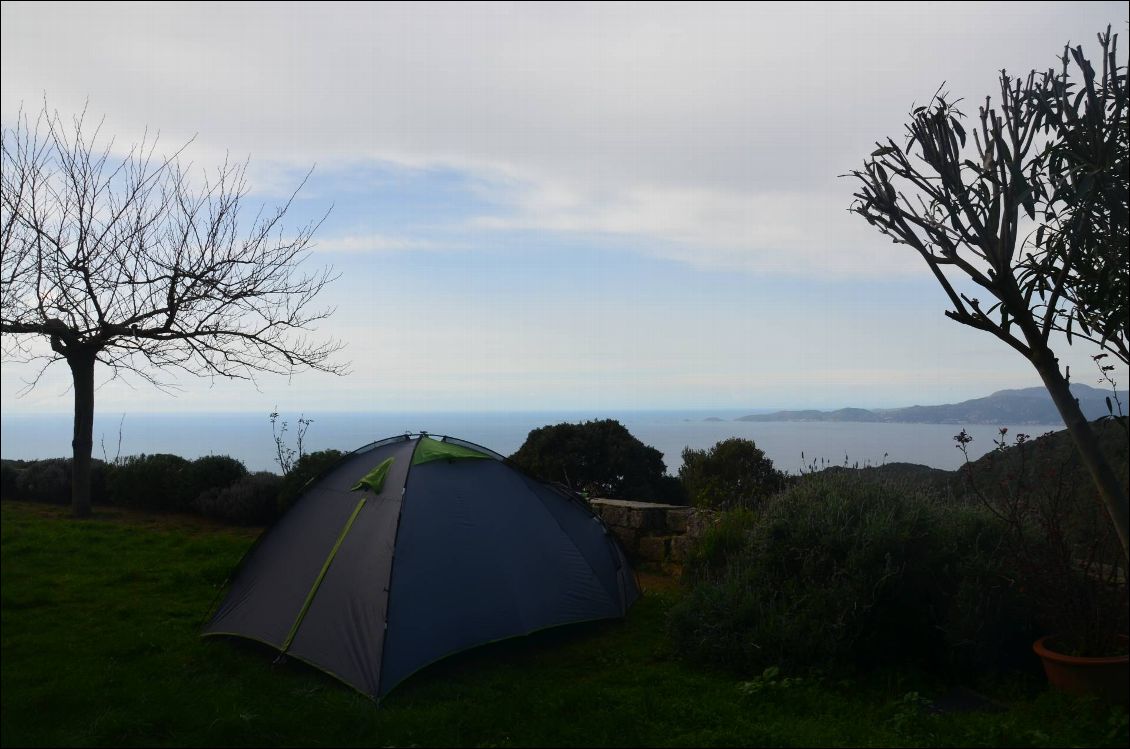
[1111,490]
[82,370]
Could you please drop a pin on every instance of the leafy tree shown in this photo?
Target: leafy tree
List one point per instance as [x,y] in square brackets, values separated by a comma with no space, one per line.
[732,473]
[601,458]
[1034,213]
[1084,231]
[130,263]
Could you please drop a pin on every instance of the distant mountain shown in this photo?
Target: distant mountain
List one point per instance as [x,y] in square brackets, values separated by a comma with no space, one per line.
[1004,407]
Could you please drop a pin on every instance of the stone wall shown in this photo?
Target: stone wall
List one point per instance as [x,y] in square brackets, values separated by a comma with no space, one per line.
[656,537]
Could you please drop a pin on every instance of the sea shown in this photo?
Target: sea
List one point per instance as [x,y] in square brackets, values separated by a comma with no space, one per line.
[792,446]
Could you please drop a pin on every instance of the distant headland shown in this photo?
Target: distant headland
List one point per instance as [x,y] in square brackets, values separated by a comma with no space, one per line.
[1013,407]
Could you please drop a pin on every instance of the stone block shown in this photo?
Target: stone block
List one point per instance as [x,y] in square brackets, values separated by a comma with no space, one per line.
[653,548]
[699,521]
[627,538]
[647,518]
[613,515]
[679,520]
[680,547]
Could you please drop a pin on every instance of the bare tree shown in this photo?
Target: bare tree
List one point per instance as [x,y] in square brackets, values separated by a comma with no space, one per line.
[1049,163]
[127,262]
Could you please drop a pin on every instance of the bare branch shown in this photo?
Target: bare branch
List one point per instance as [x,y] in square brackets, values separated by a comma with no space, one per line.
[127,258]
[123,262]
[1061,157]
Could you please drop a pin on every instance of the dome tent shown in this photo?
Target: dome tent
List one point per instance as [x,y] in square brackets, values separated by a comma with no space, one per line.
[414,548]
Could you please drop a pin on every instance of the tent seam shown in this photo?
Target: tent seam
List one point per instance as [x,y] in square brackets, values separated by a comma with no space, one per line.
[321,576]
[392,563]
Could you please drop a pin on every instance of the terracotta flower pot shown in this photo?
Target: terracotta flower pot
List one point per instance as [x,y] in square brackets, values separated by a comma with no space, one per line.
[1107,678]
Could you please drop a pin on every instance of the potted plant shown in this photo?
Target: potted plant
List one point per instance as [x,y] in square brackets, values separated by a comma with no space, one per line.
[1062,554]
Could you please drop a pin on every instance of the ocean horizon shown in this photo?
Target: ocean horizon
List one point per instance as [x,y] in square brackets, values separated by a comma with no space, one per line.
[247,435]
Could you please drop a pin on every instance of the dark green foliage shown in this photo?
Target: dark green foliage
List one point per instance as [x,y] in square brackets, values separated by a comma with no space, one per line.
[213,472]
[306,468]
[840,574]
[49,480]
[1065,552]
[601,458]
[154,482]
[1086,217]
[252,500]
[721,543]
[999,471]
[9,471]
[732,473]
[45,481]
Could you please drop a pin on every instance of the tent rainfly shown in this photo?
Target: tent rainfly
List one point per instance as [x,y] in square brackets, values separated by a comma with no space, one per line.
[414,548]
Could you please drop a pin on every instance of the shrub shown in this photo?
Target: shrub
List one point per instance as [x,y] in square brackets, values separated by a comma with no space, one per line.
[252,500]
[49,481]
[154,482]
[45,481]
[305,469]
[839,574]
[732,473]
[9,473]
[213,472]
[601,458]
[1066,552]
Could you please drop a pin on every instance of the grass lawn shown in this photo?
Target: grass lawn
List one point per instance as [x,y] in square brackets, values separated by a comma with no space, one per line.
[100,647]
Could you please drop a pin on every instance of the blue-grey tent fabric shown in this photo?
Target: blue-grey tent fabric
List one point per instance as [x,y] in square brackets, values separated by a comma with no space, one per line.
[449,554]
[268,590]
[342,630]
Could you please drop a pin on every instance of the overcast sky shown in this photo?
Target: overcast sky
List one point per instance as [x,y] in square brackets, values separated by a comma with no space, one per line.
[564,206]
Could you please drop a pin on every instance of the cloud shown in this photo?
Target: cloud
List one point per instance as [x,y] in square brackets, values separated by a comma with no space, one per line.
[372,244]
[775,232]
[711,134]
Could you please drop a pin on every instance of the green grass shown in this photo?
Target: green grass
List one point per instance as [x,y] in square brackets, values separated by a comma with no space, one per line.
[100,646]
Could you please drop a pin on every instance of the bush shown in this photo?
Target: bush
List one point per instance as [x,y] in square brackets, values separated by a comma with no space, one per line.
[733,473]
[1066,550]
[45,481]
[213,472]
[305,469]
[49,481]
[839,574]
[9,473]
[252,500]
[153,482]
[601,458]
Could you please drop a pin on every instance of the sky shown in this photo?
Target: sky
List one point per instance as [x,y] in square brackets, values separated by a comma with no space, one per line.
[561,206]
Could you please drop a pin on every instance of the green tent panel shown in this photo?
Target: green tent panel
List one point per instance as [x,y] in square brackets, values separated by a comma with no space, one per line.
[414,548]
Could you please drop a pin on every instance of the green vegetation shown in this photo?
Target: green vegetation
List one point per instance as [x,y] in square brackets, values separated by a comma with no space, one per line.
[214,486]
[169,482]
[1061,547]
[732,473]
[601,458]
[842,575]
[252,500]
[100,647]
